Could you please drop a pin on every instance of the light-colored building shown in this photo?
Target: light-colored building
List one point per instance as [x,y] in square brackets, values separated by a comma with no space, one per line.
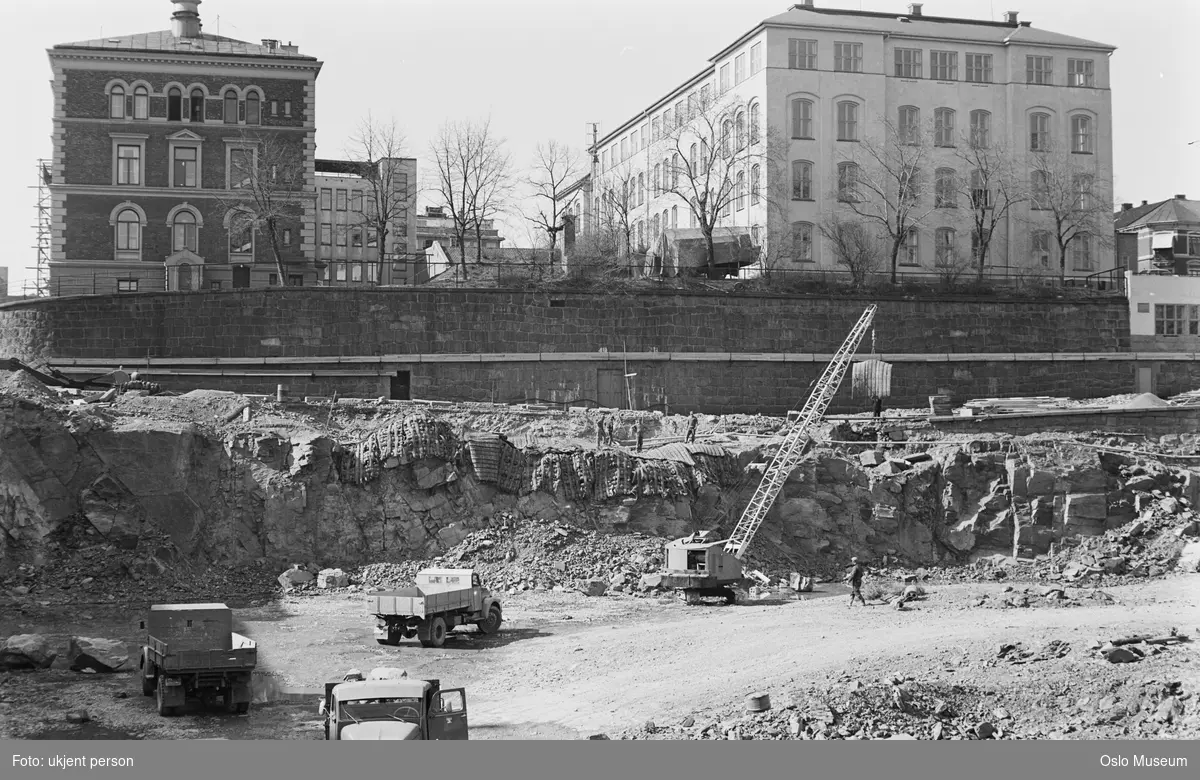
[348,240]
[826,82]
[150,131]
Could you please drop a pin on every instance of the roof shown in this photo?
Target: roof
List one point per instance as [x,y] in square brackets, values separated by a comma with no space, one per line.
[1122,219]
[205,43]
[928,27]
[184,607]
[452,572]
[381,689]
[1175,210]
[586,179]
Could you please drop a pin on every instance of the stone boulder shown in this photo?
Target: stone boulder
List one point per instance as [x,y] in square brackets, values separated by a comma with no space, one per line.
[1189,558]
[594,587]
[650,581]
[27,651]
[294,576]
[431,472]
[332,578]
[98,655]
[1085,512]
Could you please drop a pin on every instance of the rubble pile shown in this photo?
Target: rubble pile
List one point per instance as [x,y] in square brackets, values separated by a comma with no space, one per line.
[1043,597]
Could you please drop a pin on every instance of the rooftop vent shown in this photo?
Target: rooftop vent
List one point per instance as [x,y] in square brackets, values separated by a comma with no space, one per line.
[1010,17]
[1144,202]
[1181,197]
[806,4]
[914,9]
[185,21]
[1126,206]
[270,43]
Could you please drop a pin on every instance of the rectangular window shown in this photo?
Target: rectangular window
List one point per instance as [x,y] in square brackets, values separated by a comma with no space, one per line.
[979,68]
[908,63]
[341,236]
[725,84]
[1081,73]
[802,54]
[847,57]
[127,285]
[802,119]
[802,181]
[910,251]
[287,236]
[1039,70]
[295,280]
[624,149]
[1170,319]
[802,242]
[755,59]
[372,238]
[943,65]
[1081,134]
[241,235]
[943,127]
[739,69]
[847,121]
[645,137]
[326,234]
[287,108]
[1039,132]
[129,164]
[356,201]
[981,129]
[1041,249]
[945,251]
[241,166]
[655,130]
[273,279]
[356,238]
[215,284]
[274,108]
[1081,253]
[326,199]
[185,166]
[341,200]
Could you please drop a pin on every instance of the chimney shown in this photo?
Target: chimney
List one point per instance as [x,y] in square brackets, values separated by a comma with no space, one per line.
[1144,202]
[185,21]
[1010,17]
[914,9]
[806,3]
[1126,206]
[1181,197]
[269,43]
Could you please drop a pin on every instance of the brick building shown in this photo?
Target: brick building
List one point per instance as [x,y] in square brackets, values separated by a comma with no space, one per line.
[150,132]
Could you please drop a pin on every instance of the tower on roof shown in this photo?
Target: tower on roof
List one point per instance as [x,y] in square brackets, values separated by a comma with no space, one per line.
[185,21]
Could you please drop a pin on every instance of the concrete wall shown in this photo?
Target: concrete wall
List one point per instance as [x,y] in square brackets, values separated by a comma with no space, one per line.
[694,351]
[1153,422]
[1145,292]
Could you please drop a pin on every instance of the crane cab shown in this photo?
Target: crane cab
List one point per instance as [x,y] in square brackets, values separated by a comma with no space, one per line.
[699,566]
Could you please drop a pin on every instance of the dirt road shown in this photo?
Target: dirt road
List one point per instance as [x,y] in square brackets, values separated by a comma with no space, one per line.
[567,665]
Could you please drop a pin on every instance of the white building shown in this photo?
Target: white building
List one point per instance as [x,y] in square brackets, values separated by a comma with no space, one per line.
[826,83]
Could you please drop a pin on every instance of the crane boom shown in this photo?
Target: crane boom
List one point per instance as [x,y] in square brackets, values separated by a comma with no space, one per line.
[797,439]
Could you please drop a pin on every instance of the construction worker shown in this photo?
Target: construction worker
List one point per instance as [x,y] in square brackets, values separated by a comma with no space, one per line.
[855,578]
[878,408]
[637,432]
[691,429]
[601,427]
[612,425]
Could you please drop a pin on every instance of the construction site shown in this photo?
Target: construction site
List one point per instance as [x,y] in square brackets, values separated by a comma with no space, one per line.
[1029,562]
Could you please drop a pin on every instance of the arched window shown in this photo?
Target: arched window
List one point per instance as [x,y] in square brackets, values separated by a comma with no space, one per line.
[654,228]
[943,127]
[847,182]
[741,130]
[674,216]
[726,136]
[1081,134]
[693,162]
[981,129]
[174,104]
[675,171]
[802,113]
[253,109]
[116,102]
[657,182]
[141,103]
[981,196]
[755,183]
[1040,190]
[129,235]
[1039,132]
[1039,242]
[641,189]
[802,242]
[741,190]
[909,124]
[755,122]
[944,247]
[944,189]
[197,113]
[231,107]
[241,233]
[847,121]
[910,250]
[183,232]
[802,180]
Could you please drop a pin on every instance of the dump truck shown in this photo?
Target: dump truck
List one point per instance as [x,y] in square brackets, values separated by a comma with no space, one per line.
[394,709]
[192,652]
[439,601]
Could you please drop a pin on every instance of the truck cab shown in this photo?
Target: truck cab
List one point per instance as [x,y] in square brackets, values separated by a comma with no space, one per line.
[394,709]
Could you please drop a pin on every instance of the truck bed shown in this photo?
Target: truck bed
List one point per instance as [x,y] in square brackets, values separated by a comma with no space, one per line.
[243,655]
[417,603]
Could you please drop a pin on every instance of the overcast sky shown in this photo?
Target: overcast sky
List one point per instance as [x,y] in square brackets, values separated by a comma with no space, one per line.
[544,69]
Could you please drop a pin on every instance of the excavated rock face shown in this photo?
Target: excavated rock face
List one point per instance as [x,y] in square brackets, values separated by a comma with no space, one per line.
[175,490]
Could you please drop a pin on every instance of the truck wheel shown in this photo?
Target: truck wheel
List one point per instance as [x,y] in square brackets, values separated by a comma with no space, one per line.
[437,632]
[243,707]
[163,709]
[148,680]
[491,624]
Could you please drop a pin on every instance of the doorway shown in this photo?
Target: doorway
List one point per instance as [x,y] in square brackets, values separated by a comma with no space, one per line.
[610,389]
[1145,379]
[401,386]
[241,276]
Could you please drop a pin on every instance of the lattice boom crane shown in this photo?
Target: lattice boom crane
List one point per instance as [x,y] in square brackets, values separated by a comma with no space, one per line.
[700,565]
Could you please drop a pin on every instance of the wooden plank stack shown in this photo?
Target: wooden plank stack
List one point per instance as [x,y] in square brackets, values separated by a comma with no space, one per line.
[1013,405]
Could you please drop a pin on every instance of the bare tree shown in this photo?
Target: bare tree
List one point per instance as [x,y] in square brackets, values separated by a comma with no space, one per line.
[377,148]
[1067,200]
[710,153]
[776,193]
[884,185]
[555,168]
[267,190]
[990,185]
[617,196]
[852,243]
[474,179]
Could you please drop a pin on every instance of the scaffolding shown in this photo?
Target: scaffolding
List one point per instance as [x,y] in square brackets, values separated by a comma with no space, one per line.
[39,284]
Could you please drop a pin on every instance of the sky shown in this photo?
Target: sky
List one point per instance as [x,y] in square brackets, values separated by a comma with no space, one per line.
[544,70]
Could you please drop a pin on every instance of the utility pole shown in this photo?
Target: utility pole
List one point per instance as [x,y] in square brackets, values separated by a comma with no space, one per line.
[592,212]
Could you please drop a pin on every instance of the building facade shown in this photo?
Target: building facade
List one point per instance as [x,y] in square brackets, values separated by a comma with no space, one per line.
[811,89]
[348,237]
[436,226]
[155,137]
[1160,238]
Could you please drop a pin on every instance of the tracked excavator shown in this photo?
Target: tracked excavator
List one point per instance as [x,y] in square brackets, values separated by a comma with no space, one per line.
[704,566]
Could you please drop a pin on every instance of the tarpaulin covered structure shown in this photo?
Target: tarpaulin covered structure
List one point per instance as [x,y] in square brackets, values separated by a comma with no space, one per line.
[678,251]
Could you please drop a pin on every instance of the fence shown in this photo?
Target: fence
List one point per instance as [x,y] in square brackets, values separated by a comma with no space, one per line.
[597,274]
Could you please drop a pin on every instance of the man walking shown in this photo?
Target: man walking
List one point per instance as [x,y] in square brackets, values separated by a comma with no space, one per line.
[691,428]
[601,427]
[612,425]
[637,432]
[855,578]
